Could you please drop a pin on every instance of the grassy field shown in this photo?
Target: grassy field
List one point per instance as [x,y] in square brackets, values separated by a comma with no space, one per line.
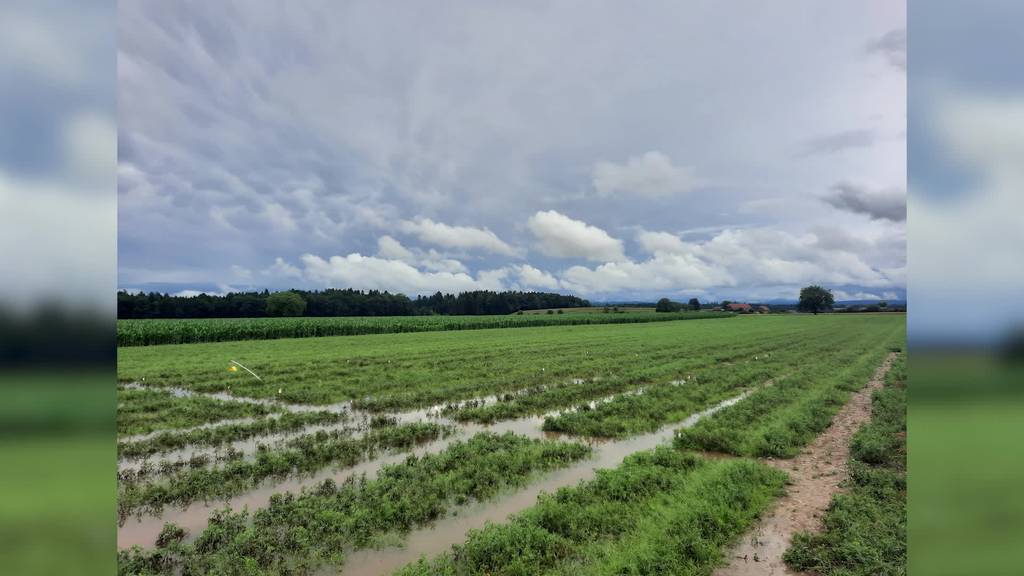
[866,528]
[143,411]
[662,511]
[396,371]
[189,331]
[776,421]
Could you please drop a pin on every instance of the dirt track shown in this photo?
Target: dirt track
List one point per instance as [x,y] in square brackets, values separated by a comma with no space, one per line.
[815,476]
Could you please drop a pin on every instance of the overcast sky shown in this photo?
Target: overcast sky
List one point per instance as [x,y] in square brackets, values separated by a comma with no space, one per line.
[612,150]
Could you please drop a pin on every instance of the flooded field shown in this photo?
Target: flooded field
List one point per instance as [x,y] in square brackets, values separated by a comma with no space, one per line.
[554,419]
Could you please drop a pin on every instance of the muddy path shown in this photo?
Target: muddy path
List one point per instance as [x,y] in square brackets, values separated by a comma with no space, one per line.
[816,475]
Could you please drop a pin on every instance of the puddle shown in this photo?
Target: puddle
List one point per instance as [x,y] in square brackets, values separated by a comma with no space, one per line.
[608,453]
[453,529]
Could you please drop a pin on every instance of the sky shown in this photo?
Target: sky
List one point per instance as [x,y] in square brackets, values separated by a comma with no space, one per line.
[614,151]
[965,173]
[58,153]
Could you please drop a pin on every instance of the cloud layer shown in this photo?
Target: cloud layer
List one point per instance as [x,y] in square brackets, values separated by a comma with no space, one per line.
[887,204]
[596,148]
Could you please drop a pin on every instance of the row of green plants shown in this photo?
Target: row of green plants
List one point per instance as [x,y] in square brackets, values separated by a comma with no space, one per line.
[169,441]
[167,467]
[401,371]
[730,373]
[658,367]
[300,533]
[865,530]
[141,411]
[660,512]
[778,420]
[301,455]
[192,330]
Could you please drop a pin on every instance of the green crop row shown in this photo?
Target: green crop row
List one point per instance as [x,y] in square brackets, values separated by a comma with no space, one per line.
[660,512]
[866,526]
[399,371]
[778,420]
[146,410]
[731,372]
[168,441]
[188,331]
[299,533]
[302,455]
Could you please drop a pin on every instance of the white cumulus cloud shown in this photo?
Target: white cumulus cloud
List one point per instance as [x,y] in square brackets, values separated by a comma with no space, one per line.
[562,237]
[373,273]
[458,237]
[650,174]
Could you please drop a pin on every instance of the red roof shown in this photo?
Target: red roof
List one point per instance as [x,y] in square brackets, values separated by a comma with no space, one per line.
[738,306]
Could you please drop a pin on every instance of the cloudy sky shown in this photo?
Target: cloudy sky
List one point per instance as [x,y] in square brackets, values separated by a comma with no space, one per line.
[611,150]
[58,150]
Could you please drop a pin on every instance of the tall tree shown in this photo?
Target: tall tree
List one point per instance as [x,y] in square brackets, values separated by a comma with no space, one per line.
[694,304]
[285,304]
[815,299]
[664,305]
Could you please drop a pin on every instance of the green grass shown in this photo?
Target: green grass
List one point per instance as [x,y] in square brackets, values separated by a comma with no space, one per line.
[143,411]
[732,371]
[301,455]
[296,534]
[193,330]
[966,506]
[866,527]
[397,371]
[660,512]
[168,441]
[777,421]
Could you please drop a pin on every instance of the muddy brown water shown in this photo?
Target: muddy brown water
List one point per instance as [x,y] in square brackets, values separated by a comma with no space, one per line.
[142,531]
[441,535]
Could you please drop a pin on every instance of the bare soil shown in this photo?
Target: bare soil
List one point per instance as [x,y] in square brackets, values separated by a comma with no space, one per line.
[815,477]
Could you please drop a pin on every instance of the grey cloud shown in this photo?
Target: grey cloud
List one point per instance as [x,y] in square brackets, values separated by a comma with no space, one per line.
[892,45]
[257,132]
[885,204]
[837,142]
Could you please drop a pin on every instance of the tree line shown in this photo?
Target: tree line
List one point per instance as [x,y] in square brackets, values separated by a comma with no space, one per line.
[334,302]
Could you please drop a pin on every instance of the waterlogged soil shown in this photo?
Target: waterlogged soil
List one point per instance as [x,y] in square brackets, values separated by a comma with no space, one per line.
[815,476]
[440,536]
[143,530]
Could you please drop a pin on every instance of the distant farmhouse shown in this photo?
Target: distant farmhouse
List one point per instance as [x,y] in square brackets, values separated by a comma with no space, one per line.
[744,308]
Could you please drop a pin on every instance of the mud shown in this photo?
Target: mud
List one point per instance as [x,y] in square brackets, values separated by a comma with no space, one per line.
[815,477]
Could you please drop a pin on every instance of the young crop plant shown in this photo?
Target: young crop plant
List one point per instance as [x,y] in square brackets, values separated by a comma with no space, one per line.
[169,441]
[403,371]
[866,526]
[302,455]
[778,420]
[301,533]
[725,374]
[660,512]
[143,411]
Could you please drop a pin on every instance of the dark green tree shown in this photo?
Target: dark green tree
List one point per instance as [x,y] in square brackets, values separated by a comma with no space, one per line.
[815,299]
[664,305]
[694,304]
[285,304]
